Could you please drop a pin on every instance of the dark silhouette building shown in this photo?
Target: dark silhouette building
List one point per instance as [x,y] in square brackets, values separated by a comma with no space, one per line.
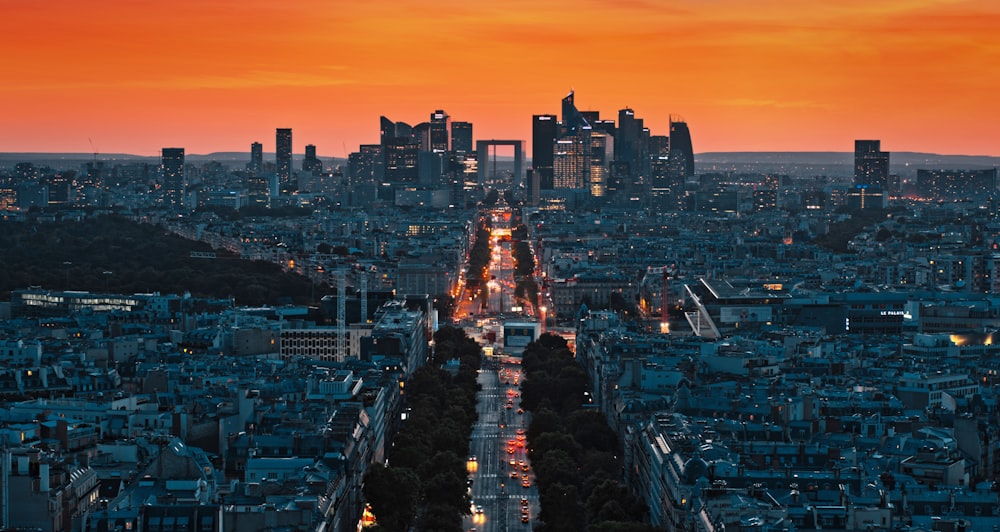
[439,131]
[172,170]
[544,129]
[256,165]
[871,164]
[871,176]
[681,154]
[461,137]
[283,158]
[311,163]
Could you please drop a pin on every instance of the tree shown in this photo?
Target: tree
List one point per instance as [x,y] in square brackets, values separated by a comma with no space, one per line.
[393,494]
[561,509]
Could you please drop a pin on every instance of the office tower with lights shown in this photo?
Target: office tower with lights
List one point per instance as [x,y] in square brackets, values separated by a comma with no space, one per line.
[571,162]
[283,158]
[439,131]
[172,171]
[311,163]
[461,137]
[871,176]
[256,165]
[601,150]
[544,130]
[871,164]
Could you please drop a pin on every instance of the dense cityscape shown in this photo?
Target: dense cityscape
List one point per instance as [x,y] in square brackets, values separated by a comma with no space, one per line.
[606,332]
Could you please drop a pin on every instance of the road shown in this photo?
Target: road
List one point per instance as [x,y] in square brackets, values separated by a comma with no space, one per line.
[493,488]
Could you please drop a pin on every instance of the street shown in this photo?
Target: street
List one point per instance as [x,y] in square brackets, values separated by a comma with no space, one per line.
[498,457]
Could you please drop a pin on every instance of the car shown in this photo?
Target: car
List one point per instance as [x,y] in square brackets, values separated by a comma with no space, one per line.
[513,463]
[526,483]
[513,474]
[520,410]
[510,450]
[525,517]
[524,504]
[479,509]
[520,431]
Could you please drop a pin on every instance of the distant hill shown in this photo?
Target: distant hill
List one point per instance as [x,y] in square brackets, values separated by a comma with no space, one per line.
[837,164]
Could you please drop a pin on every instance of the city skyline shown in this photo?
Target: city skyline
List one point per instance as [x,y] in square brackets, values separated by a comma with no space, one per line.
[748,76]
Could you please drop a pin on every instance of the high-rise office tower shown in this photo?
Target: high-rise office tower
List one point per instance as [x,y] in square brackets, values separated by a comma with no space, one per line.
[172,170]
[461,137]
[601,150]
[311,163]
[544,129]
[439,131]
[871,164]
[572,118]
[627,146]
[681,155]
[387,130]
[421,136]
[871,176]
[283,158]
[256,165]
[571,162]
[401,161]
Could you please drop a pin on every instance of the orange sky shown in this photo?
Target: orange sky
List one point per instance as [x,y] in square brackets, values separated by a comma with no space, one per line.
[133,76]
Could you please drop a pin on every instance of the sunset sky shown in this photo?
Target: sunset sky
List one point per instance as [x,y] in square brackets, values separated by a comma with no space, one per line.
[132,76]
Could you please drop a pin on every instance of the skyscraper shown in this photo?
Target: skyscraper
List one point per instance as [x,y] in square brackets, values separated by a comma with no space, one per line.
[311,163]
[871,164]
[461,137]
[256,165]
[172,170]
[627,167]
[572,119]
[544,129]
[681,154]
[871,175]
[283,158]
[439,131]
[570,162]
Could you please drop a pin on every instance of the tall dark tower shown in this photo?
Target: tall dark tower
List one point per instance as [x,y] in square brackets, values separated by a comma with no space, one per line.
[461,137]
[172,170]
[283,158]
[544,130]
[572,119]
[387,130]
[681,158]
[627,147]
[256,158]
[871,164]
[311,163]
[439,131]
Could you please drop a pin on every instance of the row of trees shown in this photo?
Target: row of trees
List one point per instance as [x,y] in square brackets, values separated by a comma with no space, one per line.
[479,260]
[575,455]
[425,481]
[112,253]
[524,265]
